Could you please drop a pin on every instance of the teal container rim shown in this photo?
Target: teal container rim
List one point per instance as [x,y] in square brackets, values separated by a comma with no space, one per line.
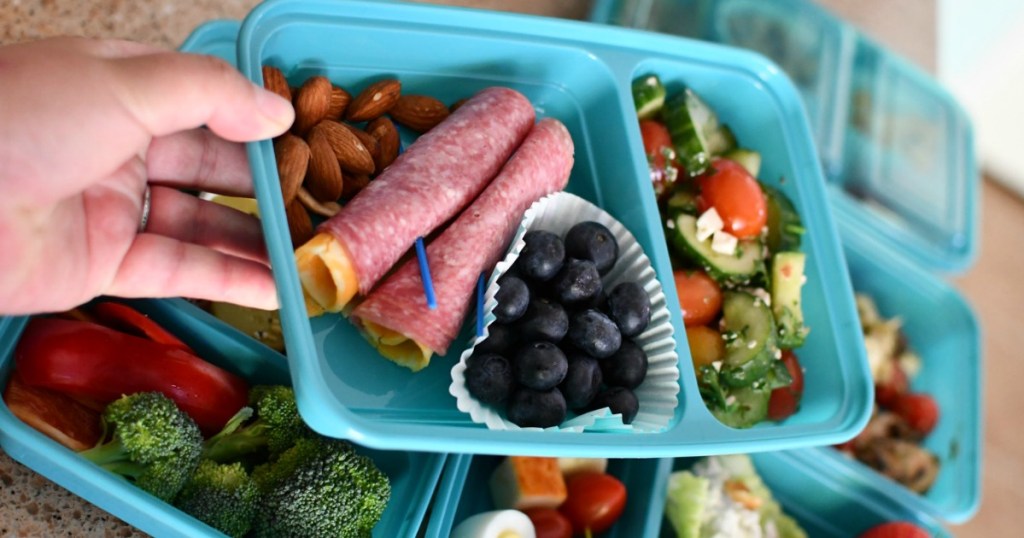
[327,414]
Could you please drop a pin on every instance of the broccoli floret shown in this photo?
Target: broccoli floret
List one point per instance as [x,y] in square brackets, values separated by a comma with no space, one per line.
[320,487]
[275,429]
[153,443]
[222,496]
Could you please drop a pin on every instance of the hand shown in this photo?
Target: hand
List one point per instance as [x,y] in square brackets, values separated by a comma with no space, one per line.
[84,125]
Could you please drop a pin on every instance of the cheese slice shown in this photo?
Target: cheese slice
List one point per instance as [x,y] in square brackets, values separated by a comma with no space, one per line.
[326,272]
[397,347]
[524,482]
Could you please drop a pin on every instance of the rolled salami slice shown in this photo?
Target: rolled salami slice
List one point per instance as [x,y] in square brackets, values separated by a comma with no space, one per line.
[395,317]
[428,184]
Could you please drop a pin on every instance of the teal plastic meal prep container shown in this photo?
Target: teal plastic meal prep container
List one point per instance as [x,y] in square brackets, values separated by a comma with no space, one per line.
[579,73]
[827,500]
[899,157]
[413,475]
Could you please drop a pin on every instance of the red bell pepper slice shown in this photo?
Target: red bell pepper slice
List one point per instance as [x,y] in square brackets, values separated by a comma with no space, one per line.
[86,360]
[126,319]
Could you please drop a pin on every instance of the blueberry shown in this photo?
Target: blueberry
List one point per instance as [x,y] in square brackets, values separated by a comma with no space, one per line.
[500,339]
[582,381]
[489,378]
[577,282]
[540,365]
[542,256]
[592,241]
[540,409]
[620,400]
[626,368]
[630,308]
[544,320]
[513,297]
[594,333]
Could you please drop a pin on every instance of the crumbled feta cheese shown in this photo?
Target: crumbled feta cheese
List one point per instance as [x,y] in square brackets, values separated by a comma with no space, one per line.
[708,224]
[717,365]
[670,224]
[762,295]
[724,243]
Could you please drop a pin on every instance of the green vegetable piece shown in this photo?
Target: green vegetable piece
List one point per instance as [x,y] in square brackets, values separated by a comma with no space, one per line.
[749,328]
[222,496]
[748,406]
[685,503]
[648,96]
[785,229]
[276,426]
[743,267]
[787,283]
[153,444]
[750,160]
[696,133]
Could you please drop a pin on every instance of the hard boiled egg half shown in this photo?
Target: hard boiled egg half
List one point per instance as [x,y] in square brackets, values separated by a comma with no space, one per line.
[496,524]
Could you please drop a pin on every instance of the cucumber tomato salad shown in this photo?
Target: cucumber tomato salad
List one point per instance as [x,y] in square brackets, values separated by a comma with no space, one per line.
[738,268]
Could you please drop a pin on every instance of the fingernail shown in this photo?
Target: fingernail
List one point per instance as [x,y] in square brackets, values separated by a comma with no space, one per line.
[276,109]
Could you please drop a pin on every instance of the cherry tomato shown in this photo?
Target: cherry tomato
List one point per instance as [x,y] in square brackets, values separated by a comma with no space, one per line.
[700,297]
[919,410]
[706,345]
[658,145]
[784,401]
[892,383]
[896,529]
[737,197]
[595,502]
[549,523]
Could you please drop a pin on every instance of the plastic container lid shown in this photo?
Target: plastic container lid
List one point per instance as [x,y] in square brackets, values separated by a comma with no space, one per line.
[897,149]
[580,73]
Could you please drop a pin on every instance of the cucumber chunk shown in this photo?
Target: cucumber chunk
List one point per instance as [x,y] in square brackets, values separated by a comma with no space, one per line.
[648,96]
[749,330]
[696,132]
[750,160]
[685,501]
[683,200]
[787,282]
[747,406]
[736,269]
[784,226]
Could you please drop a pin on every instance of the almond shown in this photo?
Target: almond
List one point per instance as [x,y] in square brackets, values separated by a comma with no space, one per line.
[339,101]
[300,226]
[350,151]
[273,80]
[354,184]
[312,103]
[418,112]
[374,101]
[324,178]
[324,209]
[368,141]
[384,131]
[292,155]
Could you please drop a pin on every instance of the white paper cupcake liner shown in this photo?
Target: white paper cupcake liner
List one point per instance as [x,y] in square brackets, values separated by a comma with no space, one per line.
[658,395]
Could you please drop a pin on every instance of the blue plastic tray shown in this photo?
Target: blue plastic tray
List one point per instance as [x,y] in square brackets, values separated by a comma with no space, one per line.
[581,74]
[413,474]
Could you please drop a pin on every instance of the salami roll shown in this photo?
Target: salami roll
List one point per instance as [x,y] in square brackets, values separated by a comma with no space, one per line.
[395,316]
[428,184]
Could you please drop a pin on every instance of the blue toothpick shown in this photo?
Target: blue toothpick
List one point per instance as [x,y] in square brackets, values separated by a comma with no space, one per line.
[428,285]
[480,306]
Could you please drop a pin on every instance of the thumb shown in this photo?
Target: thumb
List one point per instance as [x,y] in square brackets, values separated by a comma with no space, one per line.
[170,92]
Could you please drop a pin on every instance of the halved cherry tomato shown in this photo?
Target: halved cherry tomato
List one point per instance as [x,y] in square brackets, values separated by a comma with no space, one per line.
[549,523]
[83,359]
[700,297]
[784,401]
[126,319]
[594,503]
[658,148]
[736,196]
[919,410]
[706,345]
[896,529]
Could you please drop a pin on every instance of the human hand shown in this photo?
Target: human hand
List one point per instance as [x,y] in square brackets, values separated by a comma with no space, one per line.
[85,125]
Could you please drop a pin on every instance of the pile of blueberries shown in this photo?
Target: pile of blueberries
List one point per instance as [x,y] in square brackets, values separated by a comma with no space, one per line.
[560,340]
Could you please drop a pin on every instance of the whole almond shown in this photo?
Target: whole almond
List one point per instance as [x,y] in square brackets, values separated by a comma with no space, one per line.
[324,209]
[273,80]
[292,155]
[339,101]
[349,150]
[368,141]
[353,184]
[300,226]
[384,131]
[418,112]
[324,178]
[374,101]
[312,103]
